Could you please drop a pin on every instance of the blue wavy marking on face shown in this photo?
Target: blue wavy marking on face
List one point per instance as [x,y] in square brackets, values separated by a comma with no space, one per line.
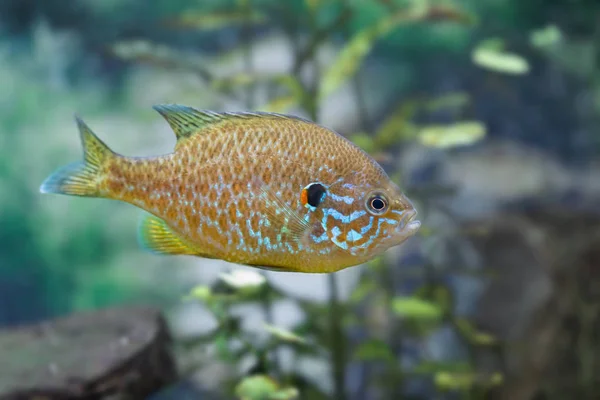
[367,227]
[399,213]
[377,232]
[344,218]
[324,220]
[353,236]
[337,232]
[345,199]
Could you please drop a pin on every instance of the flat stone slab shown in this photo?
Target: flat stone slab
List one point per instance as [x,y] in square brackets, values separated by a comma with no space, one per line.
[116,353]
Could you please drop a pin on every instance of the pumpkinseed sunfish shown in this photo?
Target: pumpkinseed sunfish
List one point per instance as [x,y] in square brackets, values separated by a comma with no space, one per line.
[267,190]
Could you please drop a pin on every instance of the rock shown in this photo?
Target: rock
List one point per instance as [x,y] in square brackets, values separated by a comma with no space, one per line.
[546,260]
[113,353]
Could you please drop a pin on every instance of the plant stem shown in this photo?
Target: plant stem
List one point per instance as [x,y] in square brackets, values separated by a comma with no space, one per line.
[246,38]
[361,105]
[270,318]
[318,37]
[387,281]
[337,340]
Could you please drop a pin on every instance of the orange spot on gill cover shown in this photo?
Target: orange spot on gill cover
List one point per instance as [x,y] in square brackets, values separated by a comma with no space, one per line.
[304,197]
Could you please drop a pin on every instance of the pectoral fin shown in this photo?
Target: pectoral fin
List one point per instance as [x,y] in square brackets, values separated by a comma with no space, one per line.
[284,220]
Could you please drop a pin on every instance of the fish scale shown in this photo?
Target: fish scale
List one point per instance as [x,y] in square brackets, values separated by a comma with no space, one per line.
[235,188]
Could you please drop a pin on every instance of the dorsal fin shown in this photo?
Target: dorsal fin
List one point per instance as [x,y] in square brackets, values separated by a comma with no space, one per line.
[186,121]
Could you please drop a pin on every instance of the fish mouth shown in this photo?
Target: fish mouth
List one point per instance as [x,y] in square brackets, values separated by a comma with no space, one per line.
[409,225]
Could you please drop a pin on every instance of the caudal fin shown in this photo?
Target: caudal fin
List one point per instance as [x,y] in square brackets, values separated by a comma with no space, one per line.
[81,178]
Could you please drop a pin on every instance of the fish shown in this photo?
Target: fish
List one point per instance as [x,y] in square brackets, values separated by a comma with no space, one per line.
[265,190]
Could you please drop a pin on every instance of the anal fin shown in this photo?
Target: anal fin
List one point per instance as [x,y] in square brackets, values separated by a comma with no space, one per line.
[156,236]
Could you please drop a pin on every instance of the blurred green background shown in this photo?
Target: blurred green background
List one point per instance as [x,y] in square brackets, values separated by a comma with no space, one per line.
[485,112]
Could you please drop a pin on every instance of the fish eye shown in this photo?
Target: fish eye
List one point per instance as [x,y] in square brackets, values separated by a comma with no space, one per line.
[377,204]
[312,195]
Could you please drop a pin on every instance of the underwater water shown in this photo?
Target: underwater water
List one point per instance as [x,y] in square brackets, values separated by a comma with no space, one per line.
[483,113]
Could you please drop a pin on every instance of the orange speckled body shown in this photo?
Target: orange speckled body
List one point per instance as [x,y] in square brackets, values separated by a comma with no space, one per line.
[233,190]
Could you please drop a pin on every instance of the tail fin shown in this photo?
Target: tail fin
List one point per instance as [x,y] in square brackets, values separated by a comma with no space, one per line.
[81,178]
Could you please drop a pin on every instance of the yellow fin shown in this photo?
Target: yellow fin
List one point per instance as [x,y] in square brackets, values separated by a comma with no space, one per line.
[187,121]
[81,178]
[156,236]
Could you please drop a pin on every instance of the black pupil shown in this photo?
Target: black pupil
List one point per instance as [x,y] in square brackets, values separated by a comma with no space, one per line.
[377,203]
[315,194]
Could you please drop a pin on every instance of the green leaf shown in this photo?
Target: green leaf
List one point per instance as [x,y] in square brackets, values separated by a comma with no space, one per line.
[431,367]
[415,308]
[445,12]
[312,5]
[222,345]
[262,387]
[285,394]
[473,335]
[280,104]
[354,52]
[495,59]
[494,44]
[364,141]
[446,381]
[256,387]
[234,81]
[447,136]
[362,290]
[496,379]
[451,100]
[483,339]
[243,79]
[397,127]
[201,292]
[143,51]
[438,294]
[374,350]
[545,37]
[285,335]
[243,279]
[199,20]
[352,55]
